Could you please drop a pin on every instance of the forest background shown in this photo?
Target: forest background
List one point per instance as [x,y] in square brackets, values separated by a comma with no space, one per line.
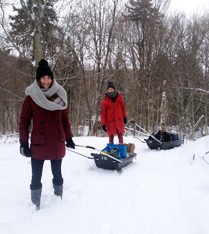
[158,61]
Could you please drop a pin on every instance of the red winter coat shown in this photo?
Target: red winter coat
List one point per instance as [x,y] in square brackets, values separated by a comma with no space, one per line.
[49,131]
[112,114]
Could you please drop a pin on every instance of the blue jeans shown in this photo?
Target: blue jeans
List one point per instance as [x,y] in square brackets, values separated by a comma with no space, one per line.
[37,168]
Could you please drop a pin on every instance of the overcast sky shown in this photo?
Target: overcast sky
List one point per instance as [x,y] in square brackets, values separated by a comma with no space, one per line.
[190,7]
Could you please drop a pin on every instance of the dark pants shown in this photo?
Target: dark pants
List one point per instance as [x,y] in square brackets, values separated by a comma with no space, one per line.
[37,168]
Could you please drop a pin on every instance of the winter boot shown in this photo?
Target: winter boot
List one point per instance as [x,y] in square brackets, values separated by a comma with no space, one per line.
[58,190]
[36,197]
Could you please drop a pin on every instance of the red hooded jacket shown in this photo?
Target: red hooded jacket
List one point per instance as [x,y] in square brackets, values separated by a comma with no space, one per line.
[113,114]
[49,131]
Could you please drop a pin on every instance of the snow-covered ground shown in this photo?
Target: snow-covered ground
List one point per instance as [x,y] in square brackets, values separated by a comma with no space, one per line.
[161,192]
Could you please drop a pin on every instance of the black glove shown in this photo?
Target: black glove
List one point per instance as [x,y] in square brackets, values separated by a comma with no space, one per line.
[70,143]
[104,128]
[25,150]
[125,120]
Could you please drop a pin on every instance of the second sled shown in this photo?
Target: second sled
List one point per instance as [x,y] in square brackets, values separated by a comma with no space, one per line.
[163,145]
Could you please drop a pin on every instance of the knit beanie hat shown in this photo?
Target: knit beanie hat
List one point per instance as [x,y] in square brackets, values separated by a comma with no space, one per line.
[43,69]
[110,85]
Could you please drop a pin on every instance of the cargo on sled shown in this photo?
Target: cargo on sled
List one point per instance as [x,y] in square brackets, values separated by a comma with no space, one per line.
[164,145]
[115,157]
[112,157]
[161,140]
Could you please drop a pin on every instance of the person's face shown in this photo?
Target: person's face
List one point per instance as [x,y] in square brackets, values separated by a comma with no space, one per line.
[110,90]
[46,81]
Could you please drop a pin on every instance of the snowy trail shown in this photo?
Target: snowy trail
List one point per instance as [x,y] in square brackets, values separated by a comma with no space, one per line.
[162,192]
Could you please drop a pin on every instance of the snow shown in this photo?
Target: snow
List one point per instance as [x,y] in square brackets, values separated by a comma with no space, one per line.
[161,192]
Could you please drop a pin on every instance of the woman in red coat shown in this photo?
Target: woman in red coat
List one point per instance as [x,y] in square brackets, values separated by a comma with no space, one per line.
[46,105]
[113,114]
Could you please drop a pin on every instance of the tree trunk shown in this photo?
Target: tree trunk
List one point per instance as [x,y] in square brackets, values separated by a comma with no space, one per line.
[37,47]
[206,114]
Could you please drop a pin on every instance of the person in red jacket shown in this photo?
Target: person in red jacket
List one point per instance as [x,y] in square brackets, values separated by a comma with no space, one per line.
[46,105]
[113,114]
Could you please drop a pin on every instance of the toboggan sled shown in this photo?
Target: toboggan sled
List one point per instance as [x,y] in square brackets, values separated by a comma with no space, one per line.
[111,161]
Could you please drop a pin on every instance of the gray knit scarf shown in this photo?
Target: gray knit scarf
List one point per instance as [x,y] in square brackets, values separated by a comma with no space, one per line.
[40,96]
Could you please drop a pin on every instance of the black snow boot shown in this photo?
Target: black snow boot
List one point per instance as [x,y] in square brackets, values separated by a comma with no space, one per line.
[58,190]
[36,197]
